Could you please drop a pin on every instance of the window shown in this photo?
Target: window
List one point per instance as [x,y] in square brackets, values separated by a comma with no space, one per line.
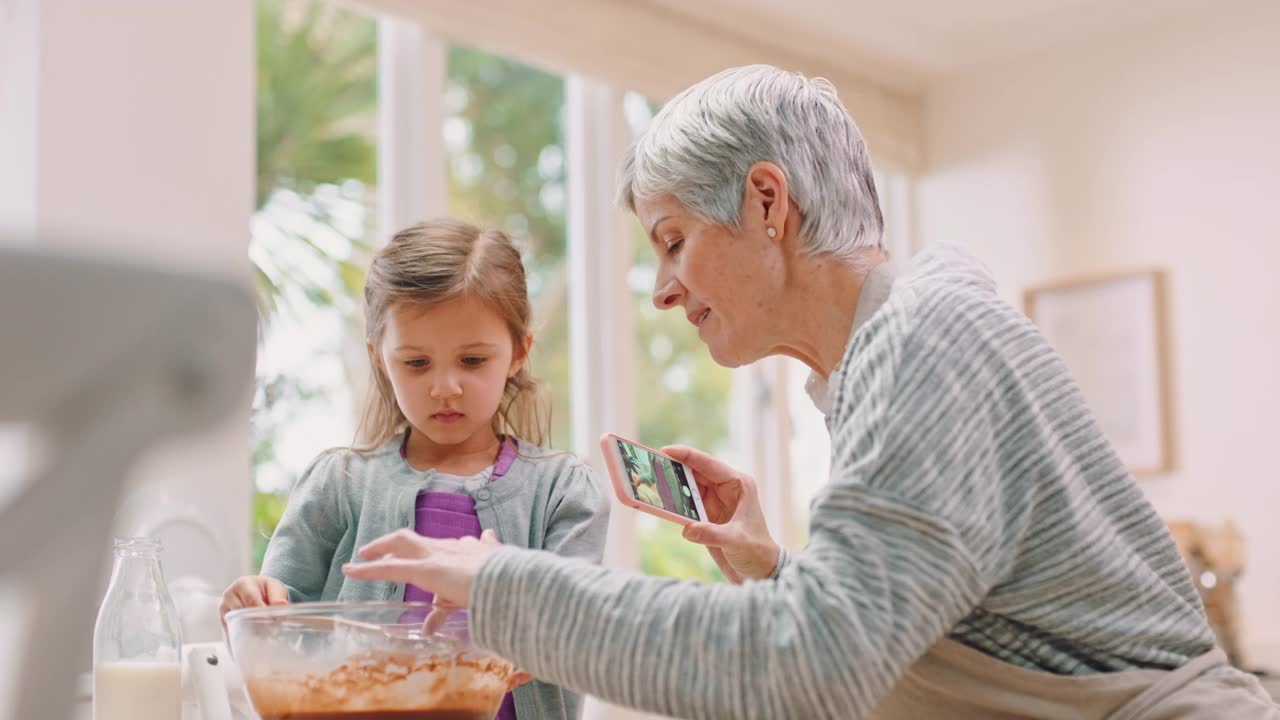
[809,447]
[681,394]
[317,90]
[504,157]
[505,142]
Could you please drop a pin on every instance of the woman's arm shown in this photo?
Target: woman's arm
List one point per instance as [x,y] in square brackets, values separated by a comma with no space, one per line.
[878,585]
[886,574]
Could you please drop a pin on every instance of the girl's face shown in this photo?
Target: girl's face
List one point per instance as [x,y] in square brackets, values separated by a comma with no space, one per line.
[448,365]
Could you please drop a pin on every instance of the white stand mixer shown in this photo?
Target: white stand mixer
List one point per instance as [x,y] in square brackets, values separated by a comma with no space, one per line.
[111,358]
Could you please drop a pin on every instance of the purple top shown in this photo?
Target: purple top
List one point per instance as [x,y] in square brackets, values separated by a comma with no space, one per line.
[446,515]
[442,515]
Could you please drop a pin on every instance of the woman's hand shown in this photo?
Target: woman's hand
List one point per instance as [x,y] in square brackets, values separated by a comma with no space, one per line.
[252,591]
[736,536]
[445,567]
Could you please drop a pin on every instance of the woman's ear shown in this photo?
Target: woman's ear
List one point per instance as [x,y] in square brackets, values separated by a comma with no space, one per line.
[521,355]
[767,203]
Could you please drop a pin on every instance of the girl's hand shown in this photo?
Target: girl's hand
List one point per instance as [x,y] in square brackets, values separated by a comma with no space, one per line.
[517,679]
[447,568]
[736,536]
[252,591]
[441,612]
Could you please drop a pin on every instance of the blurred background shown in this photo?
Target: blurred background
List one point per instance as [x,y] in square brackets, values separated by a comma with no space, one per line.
[1072,144]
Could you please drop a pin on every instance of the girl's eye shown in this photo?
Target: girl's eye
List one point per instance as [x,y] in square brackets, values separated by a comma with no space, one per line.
[473,361]
[416,363]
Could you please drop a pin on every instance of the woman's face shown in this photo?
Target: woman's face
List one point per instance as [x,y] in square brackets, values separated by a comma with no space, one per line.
[722,278]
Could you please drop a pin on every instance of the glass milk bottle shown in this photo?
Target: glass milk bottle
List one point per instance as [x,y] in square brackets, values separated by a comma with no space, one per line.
[137,672]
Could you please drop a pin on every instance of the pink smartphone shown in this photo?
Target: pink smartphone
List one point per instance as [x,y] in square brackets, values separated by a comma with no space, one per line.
[652,482]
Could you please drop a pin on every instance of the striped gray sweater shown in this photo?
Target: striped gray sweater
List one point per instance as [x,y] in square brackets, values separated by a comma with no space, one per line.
[971,496]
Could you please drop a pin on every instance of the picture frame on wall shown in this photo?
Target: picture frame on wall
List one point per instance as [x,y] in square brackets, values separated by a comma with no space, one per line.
[1112,332]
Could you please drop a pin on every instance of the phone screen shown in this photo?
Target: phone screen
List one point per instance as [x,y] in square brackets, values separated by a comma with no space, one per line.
[657,480]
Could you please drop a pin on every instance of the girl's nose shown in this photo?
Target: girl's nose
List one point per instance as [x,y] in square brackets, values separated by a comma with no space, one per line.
[445,387]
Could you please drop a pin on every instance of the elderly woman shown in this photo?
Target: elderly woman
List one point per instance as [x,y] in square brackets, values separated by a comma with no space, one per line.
[980,550]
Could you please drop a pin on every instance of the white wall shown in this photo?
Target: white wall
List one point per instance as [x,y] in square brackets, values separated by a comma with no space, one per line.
[1158,149]
[19,70]
[133,128]
[167,182]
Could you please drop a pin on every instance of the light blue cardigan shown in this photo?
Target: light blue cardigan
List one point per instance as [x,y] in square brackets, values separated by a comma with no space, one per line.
[547,500]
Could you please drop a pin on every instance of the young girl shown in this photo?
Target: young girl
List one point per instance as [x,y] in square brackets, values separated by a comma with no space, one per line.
[646,490]
[453,430]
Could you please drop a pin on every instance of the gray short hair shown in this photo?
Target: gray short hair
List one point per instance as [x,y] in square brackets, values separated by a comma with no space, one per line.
[702,143]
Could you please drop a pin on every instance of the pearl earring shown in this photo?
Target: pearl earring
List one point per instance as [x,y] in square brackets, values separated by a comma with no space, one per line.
[772,232]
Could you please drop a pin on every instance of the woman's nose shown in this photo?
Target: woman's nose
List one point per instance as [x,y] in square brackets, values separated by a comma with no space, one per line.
[667,293]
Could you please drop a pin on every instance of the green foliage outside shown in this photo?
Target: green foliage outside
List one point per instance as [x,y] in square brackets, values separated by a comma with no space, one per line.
[317,95]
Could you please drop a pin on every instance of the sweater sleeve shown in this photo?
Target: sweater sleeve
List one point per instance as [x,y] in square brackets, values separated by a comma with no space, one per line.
[301,549]
[579,518]
[894,561]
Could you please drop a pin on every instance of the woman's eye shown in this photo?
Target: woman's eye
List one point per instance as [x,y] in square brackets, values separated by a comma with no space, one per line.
[673,246]
[473,361]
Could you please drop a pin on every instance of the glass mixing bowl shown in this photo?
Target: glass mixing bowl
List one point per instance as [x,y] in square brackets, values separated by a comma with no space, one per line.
[363,661]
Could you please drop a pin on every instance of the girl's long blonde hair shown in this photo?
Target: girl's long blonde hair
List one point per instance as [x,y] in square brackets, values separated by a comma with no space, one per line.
[433,262]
